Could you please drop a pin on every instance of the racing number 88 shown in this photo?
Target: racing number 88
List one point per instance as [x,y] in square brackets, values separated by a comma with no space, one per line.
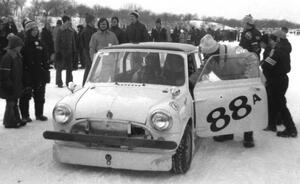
[226,118]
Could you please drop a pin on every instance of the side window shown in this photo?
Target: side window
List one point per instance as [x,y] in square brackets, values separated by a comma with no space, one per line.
[192,68]
[226,67]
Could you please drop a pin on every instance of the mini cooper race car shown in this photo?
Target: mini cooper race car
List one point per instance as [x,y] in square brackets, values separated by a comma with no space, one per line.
[139,109]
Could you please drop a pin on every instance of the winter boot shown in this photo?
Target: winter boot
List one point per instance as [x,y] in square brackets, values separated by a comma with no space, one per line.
[39,111]
[27,119]
[248,140]
[41,118]
[288,133]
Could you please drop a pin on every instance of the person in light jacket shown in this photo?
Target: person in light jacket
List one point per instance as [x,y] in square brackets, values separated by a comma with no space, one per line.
[102,38]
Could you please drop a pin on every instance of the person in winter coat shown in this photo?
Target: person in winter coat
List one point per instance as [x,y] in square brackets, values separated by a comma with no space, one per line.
[117,30]
[136,31]
[35,73]
[80,45]
[250,37]
[159,34]
[65,51]
[55,30]
[102,38]
[47,41]
[87,33]
[11,82]
[225,70]
[275,68]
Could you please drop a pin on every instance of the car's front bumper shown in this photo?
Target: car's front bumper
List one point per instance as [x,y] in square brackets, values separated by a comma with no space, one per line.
[138,154]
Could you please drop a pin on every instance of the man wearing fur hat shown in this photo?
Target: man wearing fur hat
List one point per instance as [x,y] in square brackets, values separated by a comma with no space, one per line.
[228,70]
[136,31]
[250,37]
[275,68]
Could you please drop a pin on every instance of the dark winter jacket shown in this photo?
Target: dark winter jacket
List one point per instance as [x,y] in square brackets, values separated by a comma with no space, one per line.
[87,33]
[175,35]
[278,63]
[136,32]
[159,35]
[35,65]
[11,68]
[65,48]
[250,40]
[119,33]
[47,41]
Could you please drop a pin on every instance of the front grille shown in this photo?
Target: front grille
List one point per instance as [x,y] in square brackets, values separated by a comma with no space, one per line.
[111,128]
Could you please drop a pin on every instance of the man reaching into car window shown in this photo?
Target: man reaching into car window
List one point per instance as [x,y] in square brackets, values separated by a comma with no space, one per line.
[225,69]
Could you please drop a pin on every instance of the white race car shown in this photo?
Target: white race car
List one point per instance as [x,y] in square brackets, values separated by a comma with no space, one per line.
[138,109]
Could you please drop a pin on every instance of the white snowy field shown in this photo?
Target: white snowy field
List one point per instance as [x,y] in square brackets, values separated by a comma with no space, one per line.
[26,157]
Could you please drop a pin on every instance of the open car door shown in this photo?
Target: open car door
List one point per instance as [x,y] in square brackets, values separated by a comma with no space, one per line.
[230,96]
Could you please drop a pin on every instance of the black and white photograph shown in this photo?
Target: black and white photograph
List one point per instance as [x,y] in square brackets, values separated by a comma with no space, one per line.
[147,92]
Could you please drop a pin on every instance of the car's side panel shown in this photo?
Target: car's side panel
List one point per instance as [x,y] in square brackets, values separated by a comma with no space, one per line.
[232,106]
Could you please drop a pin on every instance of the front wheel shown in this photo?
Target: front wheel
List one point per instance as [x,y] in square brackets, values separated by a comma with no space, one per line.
[181,161]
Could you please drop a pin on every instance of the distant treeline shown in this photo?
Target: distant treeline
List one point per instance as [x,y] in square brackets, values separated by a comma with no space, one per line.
[261,23]
[57,8]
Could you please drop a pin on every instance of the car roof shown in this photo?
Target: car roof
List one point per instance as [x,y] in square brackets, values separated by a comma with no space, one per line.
[156,45]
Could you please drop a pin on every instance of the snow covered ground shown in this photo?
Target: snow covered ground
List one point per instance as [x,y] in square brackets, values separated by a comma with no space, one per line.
[25,157]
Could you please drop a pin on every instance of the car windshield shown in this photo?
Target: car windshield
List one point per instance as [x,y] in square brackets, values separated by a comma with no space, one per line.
[159,68]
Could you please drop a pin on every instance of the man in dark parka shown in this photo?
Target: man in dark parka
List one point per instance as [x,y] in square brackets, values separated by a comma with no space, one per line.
[65,51]
[11,82]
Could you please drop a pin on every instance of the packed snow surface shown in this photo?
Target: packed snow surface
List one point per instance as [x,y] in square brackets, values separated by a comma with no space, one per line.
[26,157]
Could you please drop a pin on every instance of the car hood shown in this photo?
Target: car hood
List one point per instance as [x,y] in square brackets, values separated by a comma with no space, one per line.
[124,102]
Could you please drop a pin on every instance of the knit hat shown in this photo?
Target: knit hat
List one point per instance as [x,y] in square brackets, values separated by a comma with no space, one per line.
[30,25]
[135,13]
[14,41]
[248,19]
[208,45]
[279,34]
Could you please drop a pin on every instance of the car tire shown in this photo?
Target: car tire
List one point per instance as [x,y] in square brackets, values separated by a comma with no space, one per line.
[181,161]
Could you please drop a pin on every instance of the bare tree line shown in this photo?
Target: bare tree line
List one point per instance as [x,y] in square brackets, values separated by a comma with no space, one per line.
[57,8]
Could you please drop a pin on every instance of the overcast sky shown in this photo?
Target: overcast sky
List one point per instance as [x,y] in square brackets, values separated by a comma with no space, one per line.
[270,9]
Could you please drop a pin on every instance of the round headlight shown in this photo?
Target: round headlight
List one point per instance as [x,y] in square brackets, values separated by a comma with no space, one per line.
[161,121]
[62,114]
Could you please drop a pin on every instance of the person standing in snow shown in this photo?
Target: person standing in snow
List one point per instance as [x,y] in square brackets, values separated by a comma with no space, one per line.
[11,82]
[35,73]
[275,68]
[159,33]
[102,38]
[65,51]
[47,40]
[250,37]
[117,30]
[136,31]
[87,33]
